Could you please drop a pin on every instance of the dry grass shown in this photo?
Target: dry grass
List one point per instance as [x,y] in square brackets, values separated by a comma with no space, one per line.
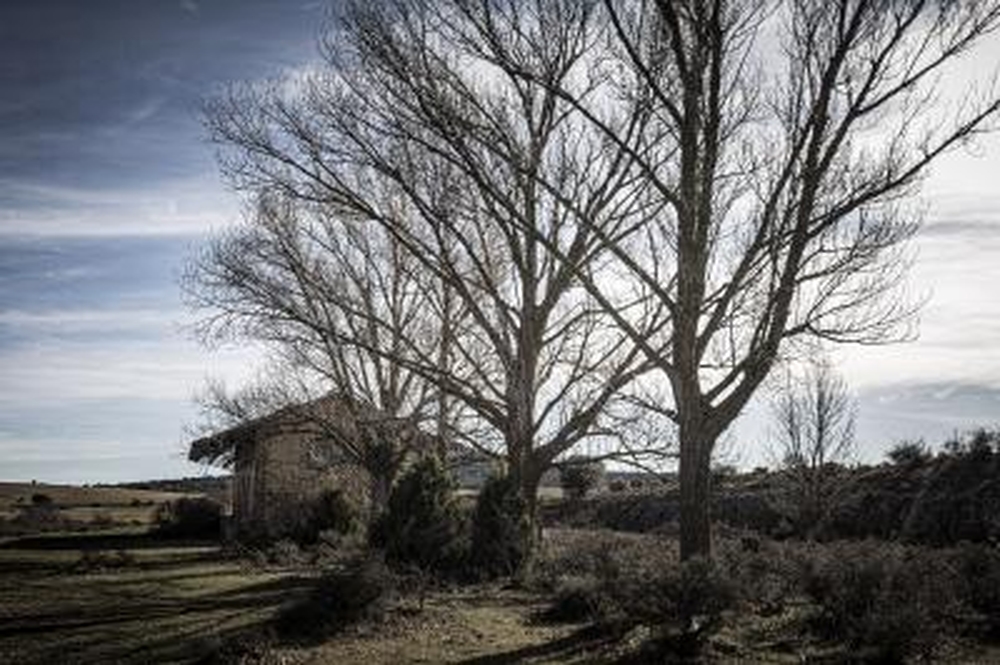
[79,508]
[69,496]
[160,605]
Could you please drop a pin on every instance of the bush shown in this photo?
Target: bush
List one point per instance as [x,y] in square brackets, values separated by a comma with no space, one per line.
[190,517]
[41,500]
[884,601]
[692,595]
[765,573]
[578,477]
[584,598]
[330,514]
[422,526]
[361,591]
[909,453]
[499,529]
[979,568]
[620,581]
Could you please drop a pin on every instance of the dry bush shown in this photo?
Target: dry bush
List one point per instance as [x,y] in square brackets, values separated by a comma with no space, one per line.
[886,602]
[764,572]
[359,592]
[623,580]
[979,568]
[190,517]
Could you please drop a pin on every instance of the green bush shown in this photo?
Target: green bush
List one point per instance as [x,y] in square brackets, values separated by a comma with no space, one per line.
[190,517]
[332,511]
[499,529]
[423,526]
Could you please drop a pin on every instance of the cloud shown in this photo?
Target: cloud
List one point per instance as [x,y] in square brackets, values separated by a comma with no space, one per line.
[71,371]
[175,207]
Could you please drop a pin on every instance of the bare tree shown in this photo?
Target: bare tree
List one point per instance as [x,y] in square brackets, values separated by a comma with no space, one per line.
[422,125]
[815,418]
[299,281]
[779,143]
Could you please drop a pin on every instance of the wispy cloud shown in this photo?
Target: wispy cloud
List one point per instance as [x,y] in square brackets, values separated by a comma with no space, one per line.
[187,206]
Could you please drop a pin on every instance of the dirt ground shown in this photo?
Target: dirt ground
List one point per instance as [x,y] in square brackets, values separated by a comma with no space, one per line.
[114,598]
[84,600]
[88,599]
[474,625]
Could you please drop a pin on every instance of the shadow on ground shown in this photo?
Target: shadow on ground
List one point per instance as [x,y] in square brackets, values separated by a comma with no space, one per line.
[183,606]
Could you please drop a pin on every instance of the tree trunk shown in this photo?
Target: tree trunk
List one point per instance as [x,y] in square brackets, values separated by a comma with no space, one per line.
[530,528]
[380,488]
[695,480]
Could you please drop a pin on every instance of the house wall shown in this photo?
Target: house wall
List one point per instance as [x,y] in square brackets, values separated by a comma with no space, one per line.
[277,479]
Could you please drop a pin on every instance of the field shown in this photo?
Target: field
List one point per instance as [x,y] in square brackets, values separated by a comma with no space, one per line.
[123,594]
[118,595]
[123,599]
[83,504]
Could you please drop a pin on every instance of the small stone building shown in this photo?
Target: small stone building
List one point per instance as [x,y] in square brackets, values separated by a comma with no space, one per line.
[284,461]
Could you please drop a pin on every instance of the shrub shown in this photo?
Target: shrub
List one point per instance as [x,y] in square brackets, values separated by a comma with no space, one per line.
[763,572]
[620,581]
[41,500]
[361,591]
[979,569]
[581,598]
[190,517]
[692,595]
[285,552]
[38,516]
[333,512]
[909,453]
[499,528]
[422,526]
[578,477]
[881,600]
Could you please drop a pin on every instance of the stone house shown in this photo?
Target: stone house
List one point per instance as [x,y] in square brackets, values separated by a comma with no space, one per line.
[284,461]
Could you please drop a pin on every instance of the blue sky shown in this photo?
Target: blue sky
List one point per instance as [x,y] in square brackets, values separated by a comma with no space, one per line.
[107,186]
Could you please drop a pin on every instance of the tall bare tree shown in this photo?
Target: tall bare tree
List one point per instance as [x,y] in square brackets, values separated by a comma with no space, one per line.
[421,123]
[779,143]
[298,280]
[814,417]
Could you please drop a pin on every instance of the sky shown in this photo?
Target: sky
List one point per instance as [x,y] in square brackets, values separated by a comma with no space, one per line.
[108,186]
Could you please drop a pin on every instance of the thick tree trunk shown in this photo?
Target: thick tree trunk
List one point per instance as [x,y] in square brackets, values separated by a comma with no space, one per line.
[528,479]
[696,497]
